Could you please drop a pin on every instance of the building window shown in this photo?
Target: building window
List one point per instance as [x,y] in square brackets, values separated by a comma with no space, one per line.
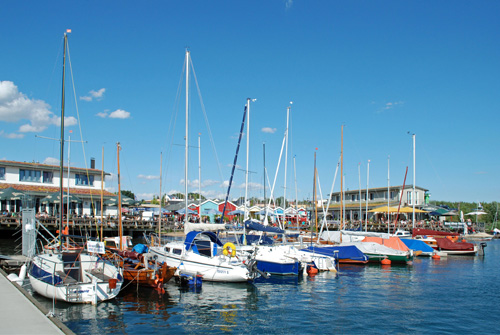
[32,176]
[364,196]
[353,197]
[371,196]
[337,198]
[2,173]
[392,194]
[81,179]
[47,177]
[408,196]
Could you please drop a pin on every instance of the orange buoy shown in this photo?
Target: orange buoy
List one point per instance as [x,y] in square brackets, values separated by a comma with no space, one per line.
[311,270]
[464,240]
[386,261]
[436,256]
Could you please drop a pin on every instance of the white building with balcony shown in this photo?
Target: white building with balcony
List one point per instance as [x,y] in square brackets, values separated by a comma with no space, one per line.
[38,180]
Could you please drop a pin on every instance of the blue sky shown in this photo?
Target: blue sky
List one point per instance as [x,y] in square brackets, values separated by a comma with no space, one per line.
[380,68]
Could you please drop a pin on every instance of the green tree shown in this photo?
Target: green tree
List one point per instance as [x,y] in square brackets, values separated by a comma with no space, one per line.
[128,194]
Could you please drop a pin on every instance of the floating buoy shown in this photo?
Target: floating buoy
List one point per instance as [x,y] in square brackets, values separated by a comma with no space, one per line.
[386,261]
[312,271]
[463,240]
[436,256]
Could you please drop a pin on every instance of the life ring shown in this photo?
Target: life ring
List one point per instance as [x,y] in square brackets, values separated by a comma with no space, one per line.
[229,249]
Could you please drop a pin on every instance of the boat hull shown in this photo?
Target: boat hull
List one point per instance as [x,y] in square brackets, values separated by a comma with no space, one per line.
[51,280]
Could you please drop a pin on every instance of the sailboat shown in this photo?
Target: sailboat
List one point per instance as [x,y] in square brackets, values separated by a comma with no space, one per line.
[76,275]
[202,253]
[140,268]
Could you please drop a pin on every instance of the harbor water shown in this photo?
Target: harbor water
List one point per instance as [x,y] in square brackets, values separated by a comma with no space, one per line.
[453,295]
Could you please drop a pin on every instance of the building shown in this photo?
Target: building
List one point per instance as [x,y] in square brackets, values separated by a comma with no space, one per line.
[377,197]
[36,181]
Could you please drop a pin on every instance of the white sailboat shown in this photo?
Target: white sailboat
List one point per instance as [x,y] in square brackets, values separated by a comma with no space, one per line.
[76,274]
[202,253]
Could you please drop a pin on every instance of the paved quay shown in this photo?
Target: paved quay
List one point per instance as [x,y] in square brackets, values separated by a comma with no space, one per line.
[22,314]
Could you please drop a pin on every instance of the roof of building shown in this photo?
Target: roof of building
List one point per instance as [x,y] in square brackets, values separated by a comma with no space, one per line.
[42,190]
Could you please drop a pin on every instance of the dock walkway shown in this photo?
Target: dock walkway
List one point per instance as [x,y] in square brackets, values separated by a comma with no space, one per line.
[22,314]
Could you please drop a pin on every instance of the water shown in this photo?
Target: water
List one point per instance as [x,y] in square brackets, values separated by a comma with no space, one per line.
[449,296]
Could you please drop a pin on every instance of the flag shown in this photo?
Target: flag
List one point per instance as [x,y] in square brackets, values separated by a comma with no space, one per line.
[68,31]
[479,206]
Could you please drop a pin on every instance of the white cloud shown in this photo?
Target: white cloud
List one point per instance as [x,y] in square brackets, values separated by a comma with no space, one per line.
[269,130]
[195,183]
[288,4]
[252,186]
[102,114]
[16,106]
[11,136]
[390,105]
[98,95]
[51,161]
[150,177]
[146,196]
[119,114]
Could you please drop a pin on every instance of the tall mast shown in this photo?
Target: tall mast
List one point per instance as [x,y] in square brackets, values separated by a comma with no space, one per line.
[413,195]
[199,174]
[360,211]
[159,216]
[120,232]
[296,196]
[314,197]
[388,187]
[286,161]
[102,194]
[264,153]
[61,160]
[367,183]
[186,143]
[341,182]
[248,151]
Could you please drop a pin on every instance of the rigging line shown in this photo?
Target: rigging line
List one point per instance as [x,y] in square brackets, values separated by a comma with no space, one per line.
[173,121]
[207,124]
[93,209]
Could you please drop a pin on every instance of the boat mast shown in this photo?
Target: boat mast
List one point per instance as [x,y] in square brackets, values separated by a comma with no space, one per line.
[341,182]
[286,161]
[120,232]
[367,182]
[61,160]
[413,195]
[314,197]
[360,210]
[186,146]
[248,151]
[159,216]
[102,194]
[388,187]
[296,197]
[264,153]
[199,176]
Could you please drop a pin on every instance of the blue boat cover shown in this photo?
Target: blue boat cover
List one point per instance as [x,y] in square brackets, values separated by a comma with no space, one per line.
[250,225]
[188,242]
[344,252]
[140,248]
[417,245]
[264,240]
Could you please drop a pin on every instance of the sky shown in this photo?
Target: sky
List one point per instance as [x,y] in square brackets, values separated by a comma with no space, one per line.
[383,70]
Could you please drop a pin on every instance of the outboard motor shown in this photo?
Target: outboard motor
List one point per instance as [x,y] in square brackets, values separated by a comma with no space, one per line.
[482,245]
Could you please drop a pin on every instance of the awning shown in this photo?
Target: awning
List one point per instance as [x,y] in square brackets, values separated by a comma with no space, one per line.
[383,209]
